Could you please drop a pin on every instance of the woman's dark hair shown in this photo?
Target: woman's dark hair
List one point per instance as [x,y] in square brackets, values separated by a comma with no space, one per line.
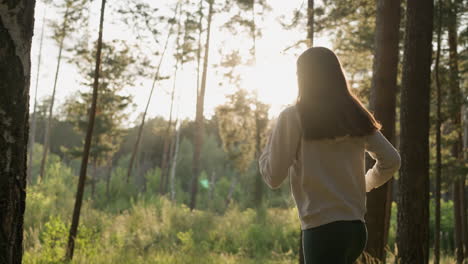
[327,108]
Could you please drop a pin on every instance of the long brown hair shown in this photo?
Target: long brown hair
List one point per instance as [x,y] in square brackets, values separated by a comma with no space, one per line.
[327,108]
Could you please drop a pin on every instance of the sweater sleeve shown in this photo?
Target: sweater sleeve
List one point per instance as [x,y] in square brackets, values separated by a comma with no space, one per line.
[280,150]
[386,157]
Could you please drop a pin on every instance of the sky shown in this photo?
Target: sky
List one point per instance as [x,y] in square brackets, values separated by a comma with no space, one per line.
[273,76]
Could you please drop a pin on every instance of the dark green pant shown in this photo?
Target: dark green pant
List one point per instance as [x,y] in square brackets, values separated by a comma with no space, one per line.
[340,242]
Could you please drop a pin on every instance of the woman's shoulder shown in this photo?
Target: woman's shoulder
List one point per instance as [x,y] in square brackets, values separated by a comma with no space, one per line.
[290,115]
[290,111]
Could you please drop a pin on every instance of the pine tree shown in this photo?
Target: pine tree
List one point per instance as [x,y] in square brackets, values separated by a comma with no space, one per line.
[438,138]
[119,70]
[87,145]
[199,117]
[72,14]
[413,204]
[16,31]
[156,78]
[383,105]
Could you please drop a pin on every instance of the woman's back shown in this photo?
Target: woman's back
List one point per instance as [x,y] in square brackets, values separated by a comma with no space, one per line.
[320,142]
[328,179]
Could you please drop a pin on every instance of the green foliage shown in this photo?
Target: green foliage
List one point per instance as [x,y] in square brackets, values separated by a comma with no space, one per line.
[237,130]
[155,230]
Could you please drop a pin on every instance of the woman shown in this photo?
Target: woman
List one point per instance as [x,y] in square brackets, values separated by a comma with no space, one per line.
[320,142]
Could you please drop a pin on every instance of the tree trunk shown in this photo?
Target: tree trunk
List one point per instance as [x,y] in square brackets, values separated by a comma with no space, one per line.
[170,162]
[16,30]
[108,179]
[438,140]
[199,119]
[212,183]
[310,22]
[231,190]
[383,104]
[168,142]
[455,113]
[174,164]
[463,194]
[458,223]
[32,134]
[156,78]
[463,217]
[413,204]
[87,145]
[200,31]
[52,100]
[258,191]
[94,178]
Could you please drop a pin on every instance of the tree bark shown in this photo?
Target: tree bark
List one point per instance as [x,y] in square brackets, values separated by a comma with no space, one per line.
[87,145]
[32,134]
[383,104]
[463,193]
[16,30]
[200,31]
[52,100]
[174,164]
[108,179]
[455,113]
[458,231]
[438,140]
[413,203]
[168,142]
[94,178]
[310,22]
[155,79]
[199,119]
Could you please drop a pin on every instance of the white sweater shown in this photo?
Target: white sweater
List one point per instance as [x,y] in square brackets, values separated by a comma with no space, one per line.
[328,179]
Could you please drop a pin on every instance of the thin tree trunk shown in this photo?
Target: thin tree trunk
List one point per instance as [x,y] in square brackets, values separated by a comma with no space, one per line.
[413,204]
[258,191]
[463,217]
[231,190]
[108,179]
[199,119]
[212,183]
[310,22]
[455,113]
[463,194]
[200,30]
[438,141]
[16,30]
[383,104]
[156,78]
[94,178]
[168,141]
[52,100]
[174,164]
[258,181]
[32,135]
[459,254]
[167,137]
[87,145]
[170,161]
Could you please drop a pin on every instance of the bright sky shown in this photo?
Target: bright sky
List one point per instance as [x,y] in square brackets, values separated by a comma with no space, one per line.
[274,74]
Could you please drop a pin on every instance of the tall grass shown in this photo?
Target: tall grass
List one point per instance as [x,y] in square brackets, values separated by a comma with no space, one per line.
[134,227]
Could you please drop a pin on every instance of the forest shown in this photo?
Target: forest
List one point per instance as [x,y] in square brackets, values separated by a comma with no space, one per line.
[130,130]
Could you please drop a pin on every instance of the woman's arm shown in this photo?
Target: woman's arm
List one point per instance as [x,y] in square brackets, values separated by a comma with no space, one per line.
[386,157]
[281,148]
